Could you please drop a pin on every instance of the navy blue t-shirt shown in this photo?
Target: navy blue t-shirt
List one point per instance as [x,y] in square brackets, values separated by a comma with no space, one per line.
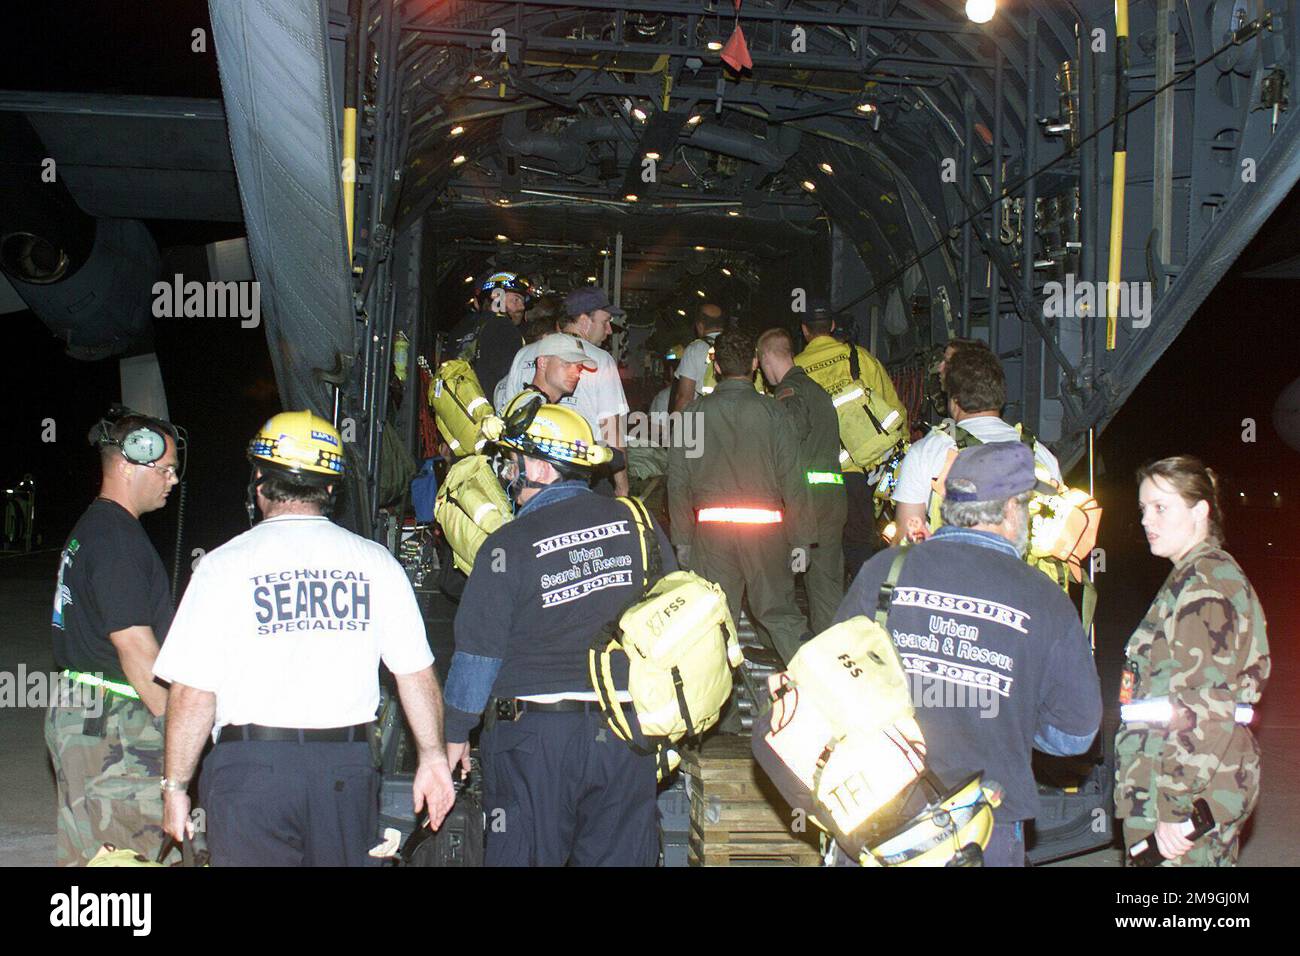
[541,588]
[995,657]
[110,578]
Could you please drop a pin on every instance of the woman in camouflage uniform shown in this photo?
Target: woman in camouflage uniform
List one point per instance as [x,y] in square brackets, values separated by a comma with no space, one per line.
[1194,666]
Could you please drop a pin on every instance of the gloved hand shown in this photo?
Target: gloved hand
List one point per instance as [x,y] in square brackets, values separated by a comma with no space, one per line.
[683,552]
[491,428]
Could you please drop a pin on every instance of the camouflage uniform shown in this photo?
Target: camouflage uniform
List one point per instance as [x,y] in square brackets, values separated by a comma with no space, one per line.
[1203,645]
[107,779]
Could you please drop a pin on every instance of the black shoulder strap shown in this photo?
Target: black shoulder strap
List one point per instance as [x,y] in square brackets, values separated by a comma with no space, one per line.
[855,367]
[885,597]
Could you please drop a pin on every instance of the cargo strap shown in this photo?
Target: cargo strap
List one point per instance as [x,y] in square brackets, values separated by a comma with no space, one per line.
[1160,710]
[739,515]
[94,680]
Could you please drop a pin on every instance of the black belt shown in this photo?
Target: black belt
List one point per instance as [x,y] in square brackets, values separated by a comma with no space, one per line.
[512,708]
[357,733]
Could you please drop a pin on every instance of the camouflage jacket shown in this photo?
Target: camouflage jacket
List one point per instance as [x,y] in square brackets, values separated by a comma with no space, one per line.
[1203,645]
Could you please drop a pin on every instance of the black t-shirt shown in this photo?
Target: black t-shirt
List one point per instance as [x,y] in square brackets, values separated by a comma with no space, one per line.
[994,654]
[110,578]
[498,341]
[542,588]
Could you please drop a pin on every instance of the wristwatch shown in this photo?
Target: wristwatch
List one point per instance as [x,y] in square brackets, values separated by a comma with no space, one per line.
[173,786]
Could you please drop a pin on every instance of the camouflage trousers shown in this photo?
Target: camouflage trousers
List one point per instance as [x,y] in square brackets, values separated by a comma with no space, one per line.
[1219,847]
[107,777]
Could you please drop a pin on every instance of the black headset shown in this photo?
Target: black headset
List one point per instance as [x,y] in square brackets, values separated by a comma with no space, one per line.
[141,446]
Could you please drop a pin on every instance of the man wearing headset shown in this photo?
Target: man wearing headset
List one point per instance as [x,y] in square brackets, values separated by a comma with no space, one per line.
[112,609]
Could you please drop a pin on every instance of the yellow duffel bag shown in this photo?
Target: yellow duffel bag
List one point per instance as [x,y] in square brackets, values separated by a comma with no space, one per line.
[459,406]
[471,504]
[681,646]
[841,734]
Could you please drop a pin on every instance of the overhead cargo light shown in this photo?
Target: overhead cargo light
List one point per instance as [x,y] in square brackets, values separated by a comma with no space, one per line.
[726,271]
[714,45]
[604,252]
[826,168]
[456,131]
[591,279]
[501,238]
[652,155]
[681,312]
[733,212]
[476,78]
[631,197]
[981,11]
[867,108]
[700,293]
[458,159]
[695,120]
[809,185]
[640,114]
[699,248]
[469,278]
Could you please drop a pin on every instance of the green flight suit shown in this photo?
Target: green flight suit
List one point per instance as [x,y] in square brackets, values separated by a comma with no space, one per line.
[1202,646]
[813,414]
[747,457]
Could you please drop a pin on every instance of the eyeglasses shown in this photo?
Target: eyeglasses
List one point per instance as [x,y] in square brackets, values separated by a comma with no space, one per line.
[168,471]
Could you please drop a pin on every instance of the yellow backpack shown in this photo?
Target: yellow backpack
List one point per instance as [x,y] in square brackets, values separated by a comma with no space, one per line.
[1063,526]
[471,504]
[459,406]
[870,427]
[681,647]
[841,742]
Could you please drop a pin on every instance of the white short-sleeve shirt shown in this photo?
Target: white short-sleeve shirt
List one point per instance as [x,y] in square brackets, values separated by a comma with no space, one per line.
[599,394]
[695,360]
[288,622]
[926,458]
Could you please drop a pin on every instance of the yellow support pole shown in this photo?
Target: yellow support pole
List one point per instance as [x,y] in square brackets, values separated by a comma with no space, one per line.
[349,171]
[1118,172]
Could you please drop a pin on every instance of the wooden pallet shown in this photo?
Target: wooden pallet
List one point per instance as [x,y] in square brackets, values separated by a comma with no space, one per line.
[737,816]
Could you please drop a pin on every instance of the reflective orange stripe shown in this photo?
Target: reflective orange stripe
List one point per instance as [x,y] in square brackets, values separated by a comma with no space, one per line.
[740,515]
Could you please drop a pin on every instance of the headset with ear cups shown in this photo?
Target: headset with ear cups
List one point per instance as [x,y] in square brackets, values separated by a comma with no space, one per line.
[141,446]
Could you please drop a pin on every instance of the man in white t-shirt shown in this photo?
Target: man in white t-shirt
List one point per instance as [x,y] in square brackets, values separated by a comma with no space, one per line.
[977,390]
[275,652]
[599,396]
[695,360]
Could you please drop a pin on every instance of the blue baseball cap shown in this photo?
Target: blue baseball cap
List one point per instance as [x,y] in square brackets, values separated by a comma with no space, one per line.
[589,299]
[993,472]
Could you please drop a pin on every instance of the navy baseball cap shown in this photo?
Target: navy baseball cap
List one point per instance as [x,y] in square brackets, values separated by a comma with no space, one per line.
[993,472]
[587,300]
